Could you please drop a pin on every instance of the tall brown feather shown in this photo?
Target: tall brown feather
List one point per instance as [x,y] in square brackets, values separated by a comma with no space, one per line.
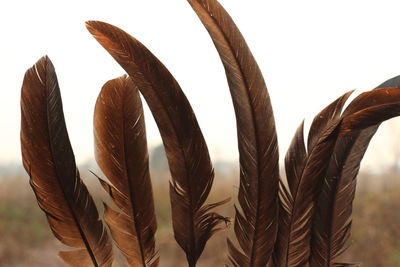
[256,223]
[121,152]
[332,223]
[304,171]
[187,153]
[49,160]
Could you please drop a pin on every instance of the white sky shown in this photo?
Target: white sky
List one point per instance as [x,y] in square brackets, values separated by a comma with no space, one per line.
[310,52]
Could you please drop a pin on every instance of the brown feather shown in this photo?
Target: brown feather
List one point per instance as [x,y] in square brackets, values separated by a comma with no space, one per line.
[121,152]
[187,153]
[50,162]
[256,223]
[332,223]
[304,170]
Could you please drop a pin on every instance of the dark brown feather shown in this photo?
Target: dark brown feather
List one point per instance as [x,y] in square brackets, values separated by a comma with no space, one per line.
[304,171]
[121,152]
[256,223]
[332,223]
[187,153]
[49,160]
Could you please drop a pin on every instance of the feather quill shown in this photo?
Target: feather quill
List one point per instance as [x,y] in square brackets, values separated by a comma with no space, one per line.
[191,170]
[49,160]
[332,222]
[256,223]
[121,152]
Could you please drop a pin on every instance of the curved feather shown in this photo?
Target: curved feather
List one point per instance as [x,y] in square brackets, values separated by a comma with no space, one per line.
[333,217]
[49,160]
[121,152]
[187,153]
[304,171]
[256,223]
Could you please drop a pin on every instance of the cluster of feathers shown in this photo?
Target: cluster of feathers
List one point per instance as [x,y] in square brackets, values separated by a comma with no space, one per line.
[304,220]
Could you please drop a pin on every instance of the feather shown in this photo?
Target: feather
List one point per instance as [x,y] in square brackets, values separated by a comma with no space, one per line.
[49,160]
[256,223]
[187,153]
[121,152]
[332,223]
[304,170]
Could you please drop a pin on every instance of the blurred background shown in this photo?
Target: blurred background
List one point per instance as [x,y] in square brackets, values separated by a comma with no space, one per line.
[26,239]
[310,52]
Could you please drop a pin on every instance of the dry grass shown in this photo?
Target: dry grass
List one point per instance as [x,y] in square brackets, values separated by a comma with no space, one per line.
[26,239]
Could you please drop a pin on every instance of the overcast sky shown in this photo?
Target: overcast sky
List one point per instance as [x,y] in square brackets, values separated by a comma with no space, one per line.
[310,52]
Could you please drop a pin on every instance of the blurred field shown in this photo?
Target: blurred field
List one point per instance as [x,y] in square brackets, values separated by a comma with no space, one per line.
[26,240]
